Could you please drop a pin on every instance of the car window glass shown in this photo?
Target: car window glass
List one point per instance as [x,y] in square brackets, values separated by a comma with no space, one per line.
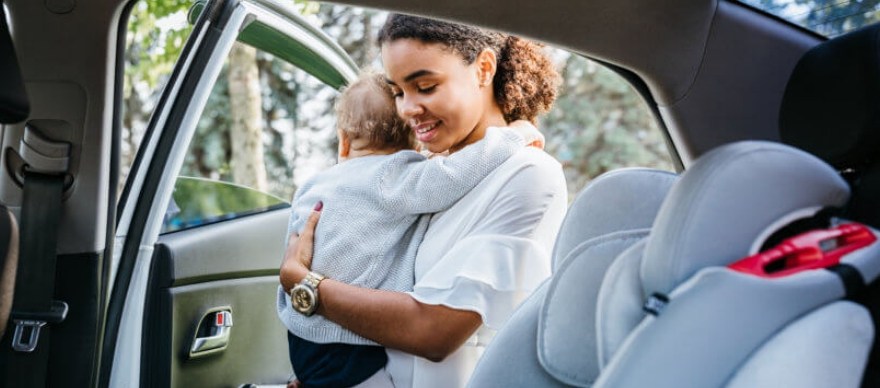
[826,17]
[267,127]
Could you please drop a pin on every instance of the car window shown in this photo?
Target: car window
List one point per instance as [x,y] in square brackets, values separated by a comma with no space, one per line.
[826,17]
[266,128]
[599,122]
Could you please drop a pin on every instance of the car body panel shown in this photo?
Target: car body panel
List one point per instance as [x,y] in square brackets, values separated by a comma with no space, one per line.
[152,181]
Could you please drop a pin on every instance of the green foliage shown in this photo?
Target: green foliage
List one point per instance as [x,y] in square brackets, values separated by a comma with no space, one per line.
[599,124]
[827,17]
[153,42]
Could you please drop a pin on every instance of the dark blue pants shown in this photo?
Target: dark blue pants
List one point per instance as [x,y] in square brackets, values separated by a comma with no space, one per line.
[333,365]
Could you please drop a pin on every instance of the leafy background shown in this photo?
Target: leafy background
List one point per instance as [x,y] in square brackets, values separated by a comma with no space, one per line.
[598,123]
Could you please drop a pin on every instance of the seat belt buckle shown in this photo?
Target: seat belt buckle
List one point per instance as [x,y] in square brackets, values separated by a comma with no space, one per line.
[29,324]
[27,334]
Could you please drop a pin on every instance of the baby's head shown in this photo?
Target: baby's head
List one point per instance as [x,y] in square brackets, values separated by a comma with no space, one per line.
[367,120]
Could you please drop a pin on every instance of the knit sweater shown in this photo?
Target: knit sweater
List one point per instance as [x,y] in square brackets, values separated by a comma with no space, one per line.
[375,216]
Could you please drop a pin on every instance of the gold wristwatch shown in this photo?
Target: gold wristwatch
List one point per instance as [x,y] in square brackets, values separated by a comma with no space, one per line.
[304,296]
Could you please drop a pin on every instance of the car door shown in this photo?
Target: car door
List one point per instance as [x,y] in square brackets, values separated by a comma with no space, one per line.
[196,264]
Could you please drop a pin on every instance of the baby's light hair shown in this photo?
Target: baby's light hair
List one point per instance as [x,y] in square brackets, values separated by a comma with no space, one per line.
[365,110]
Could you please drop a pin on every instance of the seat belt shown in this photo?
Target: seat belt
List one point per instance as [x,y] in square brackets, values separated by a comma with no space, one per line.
[34,310]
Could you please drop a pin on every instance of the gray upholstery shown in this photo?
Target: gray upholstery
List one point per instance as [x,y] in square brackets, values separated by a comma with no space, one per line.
[615,211]
[511,360]
[712,324]
[726,201]
[619,308]
[567,333]
[590,329]
[838,334]
[619,200]
[718,318]
[830,108]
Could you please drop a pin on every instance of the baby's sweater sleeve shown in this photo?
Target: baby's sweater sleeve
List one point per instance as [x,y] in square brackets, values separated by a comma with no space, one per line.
[415,185]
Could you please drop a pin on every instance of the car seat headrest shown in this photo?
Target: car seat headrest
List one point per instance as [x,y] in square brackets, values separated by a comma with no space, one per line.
[14,106]
[624,199]
[732,198]
[830,105]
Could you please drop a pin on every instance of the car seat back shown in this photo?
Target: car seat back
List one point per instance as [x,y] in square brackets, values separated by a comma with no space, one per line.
[831,108]
[14,107]
[613,212]
[704,321]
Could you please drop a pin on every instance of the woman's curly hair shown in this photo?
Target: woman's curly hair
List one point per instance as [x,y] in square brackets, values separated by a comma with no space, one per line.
[526,81]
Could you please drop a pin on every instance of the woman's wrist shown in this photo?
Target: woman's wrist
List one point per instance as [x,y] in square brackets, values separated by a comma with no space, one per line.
[291,275]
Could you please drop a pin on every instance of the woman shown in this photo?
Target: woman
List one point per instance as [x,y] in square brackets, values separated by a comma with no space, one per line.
[480,258]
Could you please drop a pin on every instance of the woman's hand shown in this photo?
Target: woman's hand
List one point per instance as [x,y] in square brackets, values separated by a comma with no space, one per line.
[298,257]
[393,319]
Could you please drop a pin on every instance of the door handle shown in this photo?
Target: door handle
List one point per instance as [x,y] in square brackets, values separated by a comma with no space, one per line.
[213,332]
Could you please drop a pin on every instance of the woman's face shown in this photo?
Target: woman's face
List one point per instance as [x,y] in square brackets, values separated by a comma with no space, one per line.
[440,96]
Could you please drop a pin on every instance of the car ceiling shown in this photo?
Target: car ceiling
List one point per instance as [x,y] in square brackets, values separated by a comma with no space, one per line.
[663,39]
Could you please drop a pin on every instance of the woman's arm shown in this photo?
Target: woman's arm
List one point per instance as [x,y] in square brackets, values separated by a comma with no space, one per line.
[393,319]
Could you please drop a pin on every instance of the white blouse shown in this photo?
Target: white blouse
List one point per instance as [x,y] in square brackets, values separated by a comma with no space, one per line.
[486,254]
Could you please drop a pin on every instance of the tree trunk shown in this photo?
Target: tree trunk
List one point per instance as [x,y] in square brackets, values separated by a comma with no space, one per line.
[246,134]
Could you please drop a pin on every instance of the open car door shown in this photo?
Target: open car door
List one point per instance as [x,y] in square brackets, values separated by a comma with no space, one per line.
[197,258]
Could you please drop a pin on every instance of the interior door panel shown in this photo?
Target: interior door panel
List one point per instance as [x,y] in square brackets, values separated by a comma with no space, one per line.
[228,266]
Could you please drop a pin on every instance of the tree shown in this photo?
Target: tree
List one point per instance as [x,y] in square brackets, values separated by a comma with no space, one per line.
[156,33]
[827,17]
[599,123]
[246,127]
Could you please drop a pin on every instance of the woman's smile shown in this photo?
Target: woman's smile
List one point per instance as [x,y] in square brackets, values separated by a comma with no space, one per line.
[425,130]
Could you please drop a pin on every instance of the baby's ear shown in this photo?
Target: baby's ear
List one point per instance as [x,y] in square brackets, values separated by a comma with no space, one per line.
[344,144]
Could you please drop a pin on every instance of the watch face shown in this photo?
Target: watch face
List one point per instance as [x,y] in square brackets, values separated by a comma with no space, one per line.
[302,299]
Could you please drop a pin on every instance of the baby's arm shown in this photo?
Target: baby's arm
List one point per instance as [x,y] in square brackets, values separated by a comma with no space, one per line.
[414,185]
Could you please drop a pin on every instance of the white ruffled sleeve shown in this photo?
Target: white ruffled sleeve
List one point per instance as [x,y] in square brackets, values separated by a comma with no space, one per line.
[492,249]
[487,274]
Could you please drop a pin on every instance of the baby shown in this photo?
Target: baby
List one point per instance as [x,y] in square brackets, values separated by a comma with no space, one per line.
[381,194]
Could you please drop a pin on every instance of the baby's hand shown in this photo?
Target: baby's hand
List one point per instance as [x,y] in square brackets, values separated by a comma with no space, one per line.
[533,137]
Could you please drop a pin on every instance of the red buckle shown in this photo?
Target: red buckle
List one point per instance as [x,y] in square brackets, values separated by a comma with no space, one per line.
[811,250]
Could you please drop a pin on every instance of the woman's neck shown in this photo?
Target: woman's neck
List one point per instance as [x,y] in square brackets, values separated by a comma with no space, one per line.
[493,118]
